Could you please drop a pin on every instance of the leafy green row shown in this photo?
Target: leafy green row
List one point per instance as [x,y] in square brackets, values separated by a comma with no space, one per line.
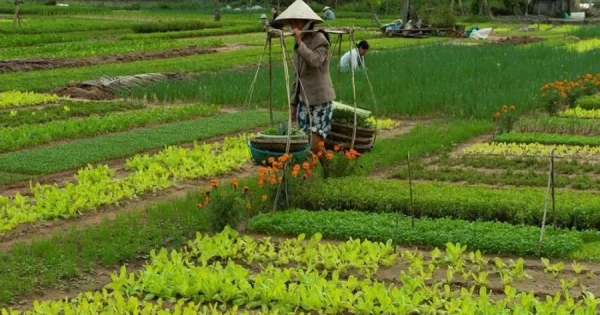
[293,290]
[14,138]
[239,29]
[437,200]
[64,111]
[502,177]
[589,102]
[17,98]
[488,237]
[118,303]
[579,112]
[365,257]
[523,163]
[76,154]
[97,186]
[560,125]
[173,26]
[547,138]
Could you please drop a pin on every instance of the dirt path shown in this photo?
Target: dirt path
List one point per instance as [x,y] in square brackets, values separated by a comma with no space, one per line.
[55,63]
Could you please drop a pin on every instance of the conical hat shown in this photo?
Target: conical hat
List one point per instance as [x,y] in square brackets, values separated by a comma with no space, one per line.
[298,10]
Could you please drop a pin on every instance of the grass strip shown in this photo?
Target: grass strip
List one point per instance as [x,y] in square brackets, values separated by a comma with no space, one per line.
[77,154]
[587,31]
[7,178]
[488,237]
[502,177]
[574,209]
[547,138]
[546,124]
[63,111]
[68,254]
[15,138]
[419,141]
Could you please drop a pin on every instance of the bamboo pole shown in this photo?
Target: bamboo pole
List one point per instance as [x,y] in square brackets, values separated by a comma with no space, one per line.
[553,177]
[270,81]
[411,209]
[540,242]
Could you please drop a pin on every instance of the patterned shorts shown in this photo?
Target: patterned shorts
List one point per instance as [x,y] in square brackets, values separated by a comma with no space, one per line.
[320,117]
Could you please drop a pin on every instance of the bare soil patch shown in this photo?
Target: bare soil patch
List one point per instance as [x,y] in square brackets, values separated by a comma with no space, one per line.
[516,40]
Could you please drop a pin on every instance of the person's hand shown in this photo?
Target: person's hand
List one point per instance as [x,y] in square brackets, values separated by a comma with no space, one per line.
[297,35]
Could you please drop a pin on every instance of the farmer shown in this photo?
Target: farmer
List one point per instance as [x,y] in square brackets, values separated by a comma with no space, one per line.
[275,13]
[263,21]
[355,57]
[328,14]
[312,92]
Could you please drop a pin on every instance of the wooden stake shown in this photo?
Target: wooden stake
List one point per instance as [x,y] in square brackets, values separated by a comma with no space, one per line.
[540,242]
[411,192]
[552,177]
[270,82]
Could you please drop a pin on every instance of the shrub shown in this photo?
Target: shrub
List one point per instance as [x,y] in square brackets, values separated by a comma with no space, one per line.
[443,16]
[133,7]
[163,6]
[224,205]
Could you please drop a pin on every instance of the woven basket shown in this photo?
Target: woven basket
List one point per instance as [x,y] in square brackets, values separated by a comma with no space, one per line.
[342,134]
[279,144]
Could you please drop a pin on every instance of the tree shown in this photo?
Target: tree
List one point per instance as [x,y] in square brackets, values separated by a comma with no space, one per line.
[217,10]
[372,4]
[17,18]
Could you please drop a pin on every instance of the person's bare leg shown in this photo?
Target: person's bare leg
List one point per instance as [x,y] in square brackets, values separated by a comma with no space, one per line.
[294,114]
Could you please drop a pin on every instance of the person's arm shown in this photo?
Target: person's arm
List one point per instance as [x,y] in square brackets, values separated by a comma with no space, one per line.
[355,57]
[315,58]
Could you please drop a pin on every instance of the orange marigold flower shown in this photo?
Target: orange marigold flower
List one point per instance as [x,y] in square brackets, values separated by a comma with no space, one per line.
[199,205]
[235,183]
[320,153]
[504,108]
[261,182]
[264,197]
[512,107]
[305,165]
[296,167]
[497,115]
[295,173]
[245,190]
[329,155]
[337,147]
[206,200]
[271,160]
[272,179]
[214,182]
[321,144]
